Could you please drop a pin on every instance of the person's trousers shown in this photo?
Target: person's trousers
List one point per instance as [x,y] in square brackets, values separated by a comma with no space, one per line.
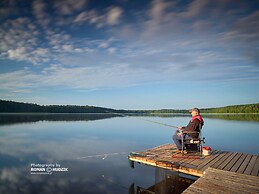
[178,139]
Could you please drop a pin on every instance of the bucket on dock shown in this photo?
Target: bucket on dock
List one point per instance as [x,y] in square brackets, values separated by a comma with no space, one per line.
[206,150]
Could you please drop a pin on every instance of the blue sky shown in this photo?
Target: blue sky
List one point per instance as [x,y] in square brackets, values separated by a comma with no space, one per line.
[122,54]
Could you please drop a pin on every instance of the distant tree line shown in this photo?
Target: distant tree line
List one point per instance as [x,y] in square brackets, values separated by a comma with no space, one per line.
[248,108]
[20,107]
[167,111]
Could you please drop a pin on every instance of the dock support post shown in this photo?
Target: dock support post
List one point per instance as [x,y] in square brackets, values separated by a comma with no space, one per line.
[131,163]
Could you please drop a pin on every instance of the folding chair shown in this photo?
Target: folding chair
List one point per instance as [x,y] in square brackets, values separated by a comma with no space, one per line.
[193,144]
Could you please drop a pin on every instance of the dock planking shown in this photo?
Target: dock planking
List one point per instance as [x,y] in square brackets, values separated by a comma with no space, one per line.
[166,156]
[221,181]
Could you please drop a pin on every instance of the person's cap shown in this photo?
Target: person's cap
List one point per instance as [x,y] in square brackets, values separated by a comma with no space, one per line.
[195,109]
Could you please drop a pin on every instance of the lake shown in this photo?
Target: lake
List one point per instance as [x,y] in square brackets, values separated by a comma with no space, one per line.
[87,153]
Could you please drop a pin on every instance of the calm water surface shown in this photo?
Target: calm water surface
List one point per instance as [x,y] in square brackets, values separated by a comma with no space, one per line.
[94,149]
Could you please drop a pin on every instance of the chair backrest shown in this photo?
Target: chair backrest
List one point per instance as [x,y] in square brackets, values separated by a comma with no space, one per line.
[200,126]
[200,130]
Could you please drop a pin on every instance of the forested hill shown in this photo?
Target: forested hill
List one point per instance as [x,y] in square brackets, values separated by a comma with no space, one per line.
[19,107]
[247,108]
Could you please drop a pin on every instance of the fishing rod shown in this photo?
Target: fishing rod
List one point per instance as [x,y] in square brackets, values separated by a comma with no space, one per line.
[156,122]
[104,156]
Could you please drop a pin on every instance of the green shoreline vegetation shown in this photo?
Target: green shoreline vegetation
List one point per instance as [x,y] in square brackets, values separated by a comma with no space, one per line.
[32,112]
[20,107]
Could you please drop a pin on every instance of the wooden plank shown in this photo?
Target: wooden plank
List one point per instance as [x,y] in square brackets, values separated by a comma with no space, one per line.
[244,164]
[188,159]
[219,181]
[200,188]
[231,176]
[226,186]
[178,157]
[183,167]
[205,158]
[255,171]
[222,159]
[206,186]
[210,163]
[236,182]
[193,161]
[163,159]
[250,165]
[165,156]
[232,162]
[216,156]
[223,164]
[238,163]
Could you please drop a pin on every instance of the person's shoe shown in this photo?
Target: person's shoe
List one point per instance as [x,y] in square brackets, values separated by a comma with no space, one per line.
[178,151]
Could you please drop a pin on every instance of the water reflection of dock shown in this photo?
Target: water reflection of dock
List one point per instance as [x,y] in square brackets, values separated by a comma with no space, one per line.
[239,166]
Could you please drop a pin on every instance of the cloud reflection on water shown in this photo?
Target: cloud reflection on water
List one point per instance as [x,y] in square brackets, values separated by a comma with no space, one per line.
[61,142]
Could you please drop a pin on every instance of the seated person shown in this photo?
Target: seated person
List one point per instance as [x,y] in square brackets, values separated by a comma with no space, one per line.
[193,126]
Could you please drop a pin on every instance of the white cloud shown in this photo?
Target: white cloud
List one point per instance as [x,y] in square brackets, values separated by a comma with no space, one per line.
[109,18]
[76,77]
[104,45]
[15,33]
[90,16]
[141,68]
[158,9]
[78,50]
[82,17]
[90,77]
[113,15]
[18,54]
[112,50]
[21,44]
[23,41]
[67,48]
[107,45]
[18,80]
[41,51]
[39,10]
[68,7]
[247,27]
[40,55]
[161,41]
[196,8]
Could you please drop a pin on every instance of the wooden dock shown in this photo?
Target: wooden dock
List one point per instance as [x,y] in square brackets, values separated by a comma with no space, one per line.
[166,156]
[216,181]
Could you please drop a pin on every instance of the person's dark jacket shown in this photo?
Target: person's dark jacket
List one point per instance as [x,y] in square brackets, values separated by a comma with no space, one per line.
[194,126]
